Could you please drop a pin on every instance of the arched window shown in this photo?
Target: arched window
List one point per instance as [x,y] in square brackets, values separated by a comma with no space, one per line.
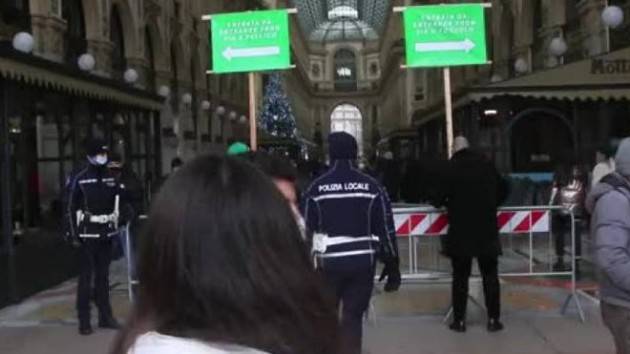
[619,37]
[347,118]
[150,57]
[74,38]
[539,50]
[175,78]
[345,70]
[116,35]
[193,81]
[572,28]
[16,13]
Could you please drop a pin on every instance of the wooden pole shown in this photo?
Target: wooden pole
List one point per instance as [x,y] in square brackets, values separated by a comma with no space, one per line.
[449,111]
[252,112]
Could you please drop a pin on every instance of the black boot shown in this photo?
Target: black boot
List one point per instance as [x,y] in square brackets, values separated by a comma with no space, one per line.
[85,329]
[494,325]
[108,322]
[458,326]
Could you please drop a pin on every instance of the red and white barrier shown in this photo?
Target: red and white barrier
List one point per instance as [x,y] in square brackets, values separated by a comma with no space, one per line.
[436,223]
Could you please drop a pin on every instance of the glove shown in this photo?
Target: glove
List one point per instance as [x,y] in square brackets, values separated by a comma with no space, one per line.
[392,273]
[70,240]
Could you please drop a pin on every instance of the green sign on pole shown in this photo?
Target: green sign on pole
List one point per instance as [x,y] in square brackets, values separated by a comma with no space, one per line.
[250,41]
[445,35]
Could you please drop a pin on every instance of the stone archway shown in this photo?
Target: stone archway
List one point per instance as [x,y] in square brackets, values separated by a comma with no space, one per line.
[347,117]
[539,138]
[130,27]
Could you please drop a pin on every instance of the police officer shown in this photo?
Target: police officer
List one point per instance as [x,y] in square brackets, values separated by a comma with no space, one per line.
[92,216]
[350,217]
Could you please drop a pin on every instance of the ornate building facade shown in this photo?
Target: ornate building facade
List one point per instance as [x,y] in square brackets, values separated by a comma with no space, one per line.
[130,71]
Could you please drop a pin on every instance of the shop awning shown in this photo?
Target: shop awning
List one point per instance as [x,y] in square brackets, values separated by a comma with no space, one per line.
[605,77]
[39,72]
[572,93]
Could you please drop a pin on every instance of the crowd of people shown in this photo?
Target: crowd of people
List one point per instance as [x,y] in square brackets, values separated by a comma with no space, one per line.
[250,253]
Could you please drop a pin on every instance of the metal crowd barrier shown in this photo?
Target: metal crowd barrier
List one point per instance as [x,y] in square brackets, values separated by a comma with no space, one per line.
[420,224]
[520,228]
[130,258]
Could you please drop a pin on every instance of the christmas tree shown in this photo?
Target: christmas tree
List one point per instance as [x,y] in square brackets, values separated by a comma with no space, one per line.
[276,116]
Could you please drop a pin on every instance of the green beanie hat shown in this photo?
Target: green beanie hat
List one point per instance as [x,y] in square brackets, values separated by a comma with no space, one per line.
[237,148]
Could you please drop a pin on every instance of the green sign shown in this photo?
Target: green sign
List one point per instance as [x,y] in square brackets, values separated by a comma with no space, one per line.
[445,35]
[250,41]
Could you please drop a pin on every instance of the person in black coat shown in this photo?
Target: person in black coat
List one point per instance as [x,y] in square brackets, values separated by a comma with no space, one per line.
[473,189]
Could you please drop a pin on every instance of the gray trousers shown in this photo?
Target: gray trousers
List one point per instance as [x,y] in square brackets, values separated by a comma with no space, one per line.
[617,319]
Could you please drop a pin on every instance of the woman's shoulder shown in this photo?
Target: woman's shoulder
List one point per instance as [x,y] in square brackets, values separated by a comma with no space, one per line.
[155,343]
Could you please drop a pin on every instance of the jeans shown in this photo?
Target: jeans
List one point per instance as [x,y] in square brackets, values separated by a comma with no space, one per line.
[617,319]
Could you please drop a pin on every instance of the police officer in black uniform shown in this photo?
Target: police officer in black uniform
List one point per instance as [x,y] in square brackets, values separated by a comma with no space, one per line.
[92,210]
[350,217]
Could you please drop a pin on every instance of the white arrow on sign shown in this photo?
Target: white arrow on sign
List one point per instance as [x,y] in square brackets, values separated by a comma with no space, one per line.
[462,46]
[229,53]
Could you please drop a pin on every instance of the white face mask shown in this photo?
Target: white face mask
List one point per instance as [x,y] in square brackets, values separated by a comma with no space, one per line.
[99,160]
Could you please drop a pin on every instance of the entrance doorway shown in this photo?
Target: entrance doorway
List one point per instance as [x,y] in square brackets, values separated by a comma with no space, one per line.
[348,118]
[540,140]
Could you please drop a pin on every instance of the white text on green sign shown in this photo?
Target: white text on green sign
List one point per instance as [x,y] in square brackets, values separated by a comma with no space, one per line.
[445,35]
[250,41]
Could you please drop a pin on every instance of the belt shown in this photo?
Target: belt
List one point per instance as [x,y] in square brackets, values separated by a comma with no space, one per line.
[102,219]
[341,240]
[345,254]
[111,234]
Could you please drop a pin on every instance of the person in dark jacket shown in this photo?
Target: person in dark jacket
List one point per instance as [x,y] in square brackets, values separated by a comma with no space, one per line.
[92,214]
[350,217]
[473,189]
[133,187]
[609,203]
[390,175]
[284,175]
[130,210]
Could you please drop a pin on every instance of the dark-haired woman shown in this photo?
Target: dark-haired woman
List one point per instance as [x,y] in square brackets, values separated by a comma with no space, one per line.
[569,191]
[224,270]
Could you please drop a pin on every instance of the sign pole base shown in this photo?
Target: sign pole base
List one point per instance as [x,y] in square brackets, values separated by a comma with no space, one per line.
[449,111]
[252,111]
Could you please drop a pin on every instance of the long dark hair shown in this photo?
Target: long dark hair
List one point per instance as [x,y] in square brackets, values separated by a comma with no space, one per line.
[223,262]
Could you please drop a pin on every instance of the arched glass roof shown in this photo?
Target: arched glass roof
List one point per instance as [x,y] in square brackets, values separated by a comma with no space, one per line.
[342,20]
